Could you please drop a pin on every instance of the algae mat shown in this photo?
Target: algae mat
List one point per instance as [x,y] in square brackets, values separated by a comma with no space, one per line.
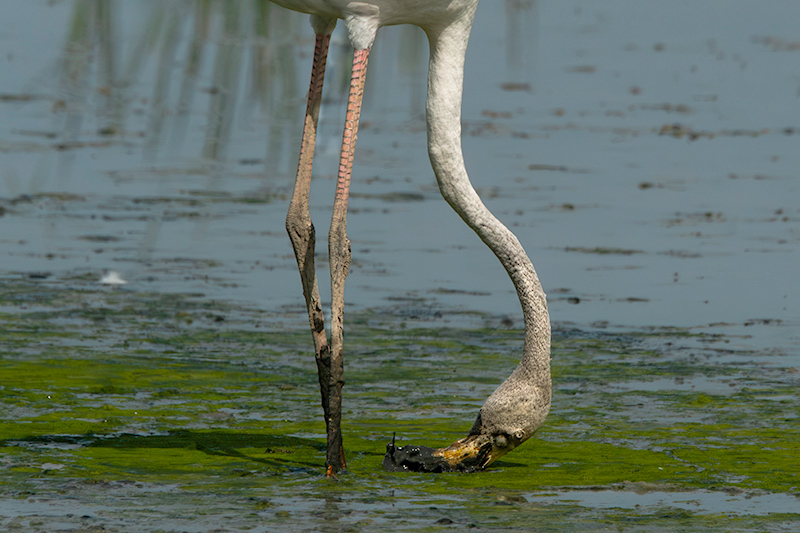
[130,411]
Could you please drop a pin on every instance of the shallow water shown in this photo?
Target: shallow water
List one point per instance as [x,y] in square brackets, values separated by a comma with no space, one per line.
[644,153]
[130,411]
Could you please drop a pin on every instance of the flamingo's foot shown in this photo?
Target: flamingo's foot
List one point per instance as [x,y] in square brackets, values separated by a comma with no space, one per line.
[330,473]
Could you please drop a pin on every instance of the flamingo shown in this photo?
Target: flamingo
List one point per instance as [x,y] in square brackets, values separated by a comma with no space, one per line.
[519,406]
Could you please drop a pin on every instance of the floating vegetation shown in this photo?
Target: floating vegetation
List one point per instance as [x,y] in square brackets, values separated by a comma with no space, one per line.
[679,131]
[129,390]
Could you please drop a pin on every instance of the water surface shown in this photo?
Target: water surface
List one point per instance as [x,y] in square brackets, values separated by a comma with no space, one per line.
[645,153]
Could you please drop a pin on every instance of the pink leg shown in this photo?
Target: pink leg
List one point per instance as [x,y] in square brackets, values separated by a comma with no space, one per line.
[339,255]
[302,234]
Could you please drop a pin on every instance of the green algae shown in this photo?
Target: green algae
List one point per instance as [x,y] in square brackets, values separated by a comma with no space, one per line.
[120,387]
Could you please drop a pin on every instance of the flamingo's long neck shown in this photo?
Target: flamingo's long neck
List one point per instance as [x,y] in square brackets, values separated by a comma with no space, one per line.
[523,400]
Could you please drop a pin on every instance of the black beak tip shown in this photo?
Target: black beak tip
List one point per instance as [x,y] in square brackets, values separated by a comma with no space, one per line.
[412,459]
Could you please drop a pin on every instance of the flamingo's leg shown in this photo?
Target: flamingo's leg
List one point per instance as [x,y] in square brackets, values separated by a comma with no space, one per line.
[301,229]
[339,255]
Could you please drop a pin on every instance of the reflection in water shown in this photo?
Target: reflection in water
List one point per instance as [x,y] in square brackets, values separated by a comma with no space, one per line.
[164,72]
[521,36]
[246,55]
[199,45]
[169,20]
[74,85]
[225,82]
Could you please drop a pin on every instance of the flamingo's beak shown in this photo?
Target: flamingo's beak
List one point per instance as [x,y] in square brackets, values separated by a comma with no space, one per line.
[470,454]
